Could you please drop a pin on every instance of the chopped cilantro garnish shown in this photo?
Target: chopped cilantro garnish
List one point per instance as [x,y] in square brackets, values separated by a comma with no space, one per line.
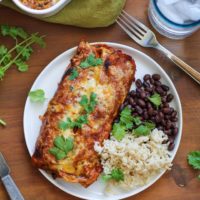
[88,104]
[2,122]
[37,95]
[61,147]
[118,131]
[74,74]
[91,61]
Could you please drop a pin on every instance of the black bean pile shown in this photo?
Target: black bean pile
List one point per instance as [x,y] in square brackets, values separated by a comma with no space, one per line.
[164,116]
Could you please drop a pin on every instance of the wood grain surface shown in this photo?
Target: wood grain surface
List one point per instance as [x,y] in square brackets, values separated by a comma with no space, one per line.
[178,184]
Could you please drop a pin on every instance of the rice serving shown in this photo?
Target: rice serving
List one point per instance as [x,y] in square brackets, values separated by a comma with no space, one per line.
[140,158]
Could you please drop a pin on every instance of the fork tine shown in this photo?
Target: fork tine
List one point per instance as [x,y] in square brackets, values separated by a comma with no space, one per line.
[131,28]
[139,24]
[133,25]
[127,31]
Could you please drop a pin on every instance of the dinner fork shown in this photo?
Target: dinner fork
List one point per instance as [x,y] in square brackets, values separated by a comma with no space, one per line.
[146,38]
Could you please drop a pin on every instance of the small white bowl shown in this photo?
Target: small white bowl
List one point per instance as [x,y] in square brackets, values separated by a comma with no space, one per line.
[44,12]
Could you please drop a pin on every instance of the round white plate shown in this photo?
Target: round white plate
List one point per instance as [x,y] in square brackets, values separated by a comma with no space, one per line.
[48,81]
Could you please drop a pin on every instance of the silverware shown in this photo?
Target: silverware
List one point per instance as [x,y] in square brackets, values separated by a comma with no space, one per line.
[146,38]
[8,182]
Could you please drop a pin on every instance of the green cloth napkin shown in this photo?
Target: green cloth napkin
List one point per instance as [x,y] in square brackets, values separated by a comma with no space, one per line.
[83,13]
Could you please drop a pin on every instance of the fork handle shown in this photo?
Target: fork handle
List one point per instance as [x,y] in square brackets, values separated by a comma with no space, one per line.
[181,64]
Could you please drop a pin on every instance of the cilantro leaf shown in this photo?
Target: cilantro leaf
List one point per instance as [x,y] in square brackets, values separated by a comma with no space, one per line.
[38,40]
[137,121]
[91,61]
[2,122]
[126,118]
[13,32]
[37,95]
[155,99]
[87,104]
[3,51]
[2,73]
[118,131]
[25,51]
[61,147]
[83,119]
[150,125]
[142,130]
[194,159]
[21,66]
[74,74]
[116,174]
[63,125]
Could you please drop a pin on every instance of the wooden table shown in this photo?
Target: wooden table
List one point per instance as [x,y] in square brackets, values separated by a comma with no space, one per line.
[15,87]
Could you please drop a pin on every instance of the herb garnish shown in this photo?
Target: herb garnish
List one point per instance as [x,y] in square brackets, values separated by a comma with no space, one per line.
[20,52]
[74,74]
[2,122]
[61,147]
[155,99]
[88,106]
[116,174]
[91,61]
[194,160]
[127,121]
[37,95]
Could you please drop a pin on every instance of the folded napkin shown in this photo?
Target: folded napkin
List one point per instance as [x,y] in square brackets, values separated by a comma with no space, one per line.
[83,13]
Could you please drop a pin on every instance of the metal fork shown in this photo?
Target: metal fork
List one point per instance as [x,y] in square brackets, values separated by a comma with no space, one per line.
[146,38]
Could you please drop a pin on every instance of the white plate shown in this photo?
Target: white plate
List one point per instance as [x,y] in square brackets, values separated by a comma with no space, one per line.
[48,80]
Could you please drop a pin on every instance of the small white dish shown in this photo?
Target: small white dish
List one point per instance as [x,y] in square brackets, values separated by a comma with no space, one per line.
[48,81]
[44,12]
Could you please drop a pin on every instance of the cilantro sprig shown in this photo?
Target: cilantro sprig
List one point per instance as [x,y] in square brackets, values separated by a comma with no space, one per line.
[194,160]
[88,106]
[91,61]
[62,146]
[116,174]
[20,52]
[37,95]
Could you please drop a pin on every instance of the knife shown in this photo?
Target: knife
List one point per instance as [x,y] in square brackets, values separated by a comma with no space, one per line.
[8,182]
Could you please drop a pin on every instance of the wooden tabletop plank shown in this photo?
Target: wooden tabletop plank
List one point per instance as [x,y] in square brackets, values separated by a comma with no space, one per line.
[15,87]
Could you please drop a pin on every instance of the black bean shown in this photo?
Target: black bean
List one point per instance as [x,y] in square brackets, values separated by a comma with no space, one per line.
[171,110]
[131,100]
[161,115]
[165,87]
[151,81]
[138,83]
[133,93]
[167,116]
[142,94]
[159,90]
[146,116]
[146,85]
[173,125]
[169,97]
[157,83]
[155,113]
[174,114]
[163,123]
[160,128]
[166,105]
[171,146]
[139,109]
[141,103]
[156,77]
[150,111]
[135,113]
[164,99]
[168,125]
[175,131]
[168,132]
[174,119]
[157,119]
[125,104]
[166,110]
[171,139]
[148,89]
[146,77]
